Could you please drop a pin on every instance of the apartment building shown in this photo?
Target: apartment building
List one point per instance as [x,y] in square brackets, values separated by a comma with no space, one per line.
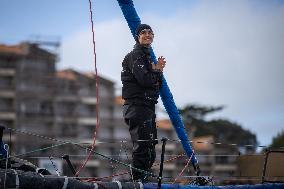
[26,77]
[62,105]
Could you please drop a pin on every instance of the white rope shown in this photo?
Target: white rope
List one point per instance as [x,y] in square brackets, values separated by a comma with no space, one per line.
[131,174]
[96,186]
[17,181]
[39,170]
[141,185]
[65,183]
[119,184]
[6,147]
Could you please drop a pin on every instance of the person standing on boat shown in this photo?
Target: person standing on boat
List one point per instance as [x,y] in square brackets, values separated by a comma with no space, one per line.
[141,80]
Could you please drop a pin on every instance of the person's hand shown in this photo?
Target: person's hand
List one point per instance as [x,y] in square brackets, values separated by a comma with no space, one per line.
[160,64]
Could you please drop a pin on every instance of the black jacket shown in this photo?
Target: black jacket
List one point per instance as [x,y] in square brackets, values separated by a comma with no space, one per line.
[140,82]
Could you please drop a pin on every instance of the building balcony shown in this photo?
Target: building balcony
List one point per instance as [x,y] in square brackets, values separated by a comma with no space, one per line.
[79,119]
[228,167]
[89,100]
[87,121]
[7,116]
[7,93]
[67,98]
[7,72]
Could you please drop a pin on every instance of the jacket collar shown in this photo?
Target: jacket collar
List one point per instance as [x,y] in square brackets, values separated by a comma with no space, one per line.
[142,48]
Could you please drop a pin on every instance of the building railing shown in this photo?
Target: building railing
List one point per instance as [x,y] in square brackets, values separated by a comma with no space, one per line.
[7,116]
[7,93]
[7,71]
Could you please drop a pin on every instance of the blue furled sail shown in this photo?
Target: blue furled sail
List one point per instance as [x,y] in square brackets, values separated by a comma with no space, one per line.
[133,21]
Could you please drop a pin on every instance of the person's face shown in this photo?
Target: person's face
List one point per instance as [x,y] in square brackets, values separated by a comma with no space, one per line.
[146,37]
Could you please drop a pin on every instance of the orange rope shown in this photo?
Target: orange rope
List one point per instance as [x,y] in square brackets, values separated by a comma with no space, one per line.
[183,168]
[97,94]
[127,172]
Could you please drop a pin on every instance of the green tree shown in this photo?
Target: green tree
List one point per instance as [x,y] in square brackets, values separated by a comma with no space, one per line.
[278,140]
[195,114]
[223,130]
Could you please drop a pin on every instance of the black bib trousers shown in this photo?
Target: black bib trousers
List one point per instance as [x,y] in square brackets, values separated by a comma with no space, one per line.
[143,131]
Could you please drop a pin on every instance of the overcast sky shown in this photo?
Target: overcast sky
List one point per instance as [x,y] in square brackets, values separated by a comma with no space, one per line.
[218,52]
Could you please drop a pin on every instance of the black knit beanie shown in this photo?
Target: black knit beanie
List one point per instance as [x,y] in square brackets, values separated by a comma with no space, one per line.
[140,28]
